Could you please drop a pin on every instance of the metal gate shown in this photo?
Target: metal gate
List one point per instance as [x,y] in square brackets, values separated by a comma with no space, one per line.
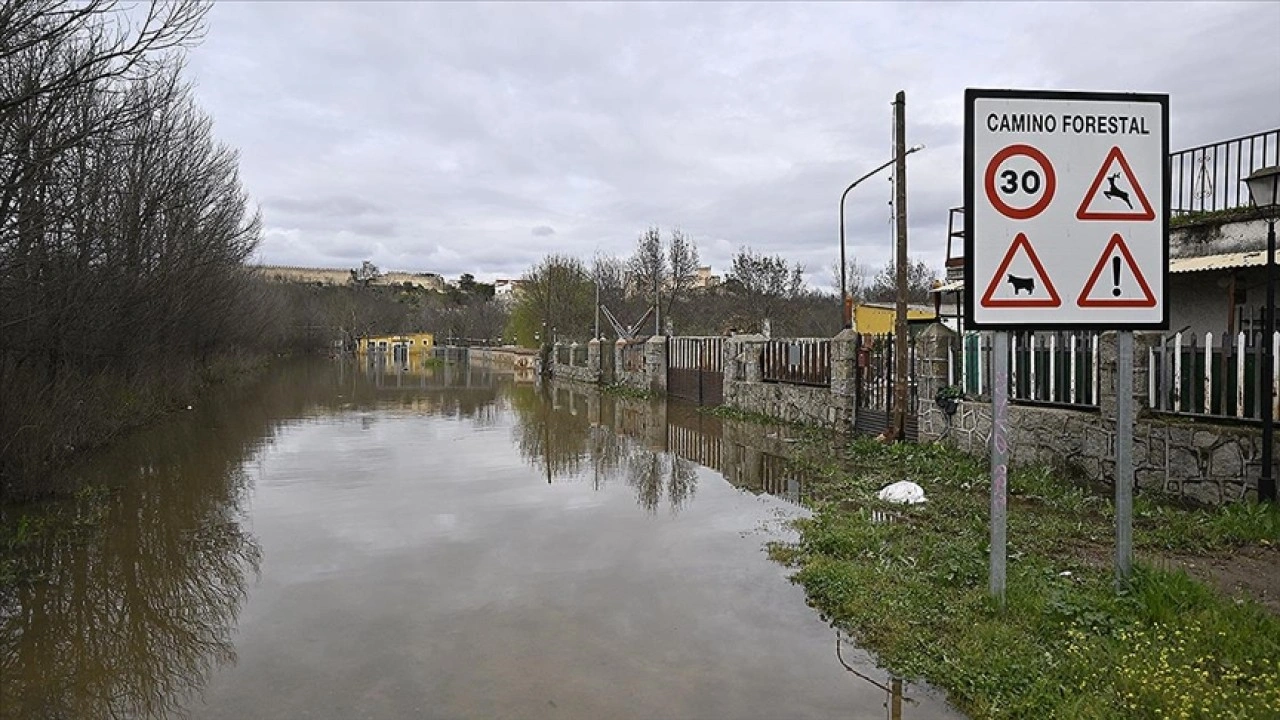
[608,375]
[695,369]
[875,380]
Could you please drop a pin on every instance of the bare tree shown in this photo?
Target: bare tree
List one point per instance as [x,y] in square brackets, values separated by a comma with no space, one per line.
[647,267]
[920,280]
[856,282]
[682,253]
[764,282]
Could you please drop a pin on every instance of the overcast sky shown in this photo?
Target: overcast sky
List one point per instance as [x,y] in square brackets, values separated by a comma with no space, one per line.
[461,137]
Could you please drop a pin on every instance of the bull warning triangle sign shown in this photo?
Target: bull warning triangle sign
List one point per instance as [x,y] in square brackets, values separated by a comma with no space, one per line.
[1123,198]
[1030,287]
[1124,284]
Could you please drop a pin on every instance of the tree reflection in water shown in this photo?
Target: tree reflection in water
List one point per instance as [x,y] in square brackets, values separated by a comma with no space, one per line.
[130,592]
[584,435]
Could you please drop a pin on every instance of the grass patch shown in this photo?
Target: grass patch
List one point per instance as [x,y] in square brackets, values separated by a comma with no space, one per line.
[731,413]
[910,583]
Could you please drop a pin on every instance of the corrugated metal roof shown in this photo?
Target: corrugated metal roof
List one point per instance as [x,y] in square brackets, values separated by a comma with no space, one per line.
[1226,261]
[949,287]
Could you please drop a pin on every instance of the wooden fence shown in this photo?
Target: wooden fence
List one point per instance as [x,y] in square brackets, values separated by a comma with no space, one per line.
[1220,376]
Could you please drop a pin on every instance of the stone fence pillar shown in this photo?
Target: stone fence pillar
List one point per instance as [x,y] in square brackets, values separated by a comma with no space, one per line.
[742,358]
[844,378]
[655,363]
[933,348]
[593,358]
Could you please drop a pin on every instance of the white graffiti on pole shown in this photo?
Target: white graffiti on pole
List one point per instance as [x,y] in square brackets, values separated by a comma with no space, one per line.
[1067,210]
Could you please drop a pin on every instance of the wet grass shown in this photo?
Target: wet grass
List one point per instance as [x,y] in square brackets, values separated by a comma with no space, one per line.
[910,583]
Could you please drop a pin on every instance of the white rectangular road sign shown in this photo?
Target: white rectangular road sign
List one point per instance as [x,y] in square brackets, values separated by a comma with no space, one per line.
[1067,210]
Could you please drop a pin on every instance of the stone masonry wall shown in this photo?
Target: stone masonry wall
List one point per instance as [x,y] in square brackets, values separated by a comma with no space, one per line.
[588,373]
[652,375]
[744,388]
[1202,461]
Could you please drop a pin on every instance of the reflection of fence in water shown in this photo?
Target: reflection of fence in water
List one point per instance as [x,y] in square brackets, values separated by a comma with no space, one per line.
[779,478]
[696,446]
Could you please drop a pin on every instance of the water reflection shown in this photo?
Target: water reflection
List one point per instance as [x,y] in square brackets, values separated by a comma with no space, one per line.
[136,591]
[133,589]
[654,446]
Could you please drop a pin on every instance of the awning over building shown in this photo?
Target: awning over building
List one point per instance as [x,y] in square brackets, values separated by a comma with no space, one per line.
[1226,261]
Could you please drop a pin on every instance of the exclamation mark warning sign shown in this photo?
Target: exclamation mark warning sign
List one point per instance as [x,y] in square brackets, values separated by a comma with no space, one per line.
[1125,285]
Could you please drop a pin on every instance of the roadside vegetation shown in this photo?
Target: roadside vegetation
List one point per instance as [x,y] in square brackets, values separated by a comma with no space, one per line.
[910,583]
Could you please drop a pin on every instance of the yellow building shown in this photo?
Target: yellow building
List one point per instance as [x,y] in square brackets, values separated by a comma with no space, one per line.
[401,345]
[879,318]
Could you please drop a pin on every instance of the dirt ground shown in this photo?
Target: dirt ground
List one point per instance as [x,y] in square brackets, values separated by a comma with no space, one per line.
[1252,572]
[1247,572]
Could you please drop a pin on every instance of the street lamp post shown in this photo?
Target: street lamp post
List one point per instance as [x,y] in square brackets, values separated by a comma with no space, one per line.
[844,293]
[1264,188]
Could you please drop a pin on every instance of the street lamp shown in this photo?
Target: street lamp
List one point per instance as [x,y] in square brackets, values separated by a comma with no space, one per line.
[1264,188]
[844,293]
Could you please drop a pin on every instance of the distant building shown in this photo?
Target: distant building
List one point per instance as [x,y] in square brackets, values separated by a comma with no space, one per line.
[507,288]
[399,346]
[342,276]
[704,278]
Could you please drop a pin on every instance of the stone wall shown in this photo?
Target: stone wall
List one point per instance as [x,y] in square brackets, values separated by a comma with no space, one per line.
[745,389]
[1209,462]
[585,373]
[651,376]
[513,359]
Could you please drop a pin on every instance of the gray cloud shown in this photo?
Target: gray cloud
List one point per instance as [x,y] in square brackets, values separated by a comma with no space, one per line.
[543,231]
[434,136]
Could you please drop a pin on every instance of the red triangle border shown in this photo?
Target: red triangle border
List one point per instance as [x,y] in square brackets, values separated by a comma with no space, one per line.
[1116,242]
[1052,301]
[1082,213]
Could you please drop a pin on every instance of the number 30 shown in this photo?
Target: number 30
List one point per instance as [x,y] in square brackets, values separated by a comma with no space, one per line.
[1030,182]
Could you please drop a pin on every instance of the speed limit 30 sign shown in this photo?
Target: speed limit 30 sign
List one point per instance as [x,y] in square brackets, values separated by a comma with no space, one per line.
[1067,206]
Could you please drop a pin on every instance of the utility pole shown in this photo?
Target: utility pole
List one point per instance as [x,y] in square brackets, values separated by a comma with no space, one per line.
[900,326]
[657,306]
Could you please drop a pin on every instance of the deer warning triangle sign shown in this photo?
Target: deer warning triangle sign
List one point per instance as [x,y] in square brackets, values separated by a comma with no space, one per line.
[1121,199]
[1116,280]
[1020,280]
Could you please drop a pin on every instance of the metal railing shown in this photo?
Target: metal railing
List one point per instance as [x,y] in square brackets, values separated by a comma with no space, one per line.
[1208,178]
[633,356]
[799,361]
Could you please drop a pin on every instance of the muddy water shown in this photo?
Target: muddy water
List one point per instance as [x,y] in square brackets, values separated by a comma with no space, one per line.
[346,541]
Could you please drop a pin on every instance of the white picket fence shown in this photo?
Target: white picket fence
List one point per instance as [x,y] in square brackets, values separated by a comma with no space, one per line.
[1220,376]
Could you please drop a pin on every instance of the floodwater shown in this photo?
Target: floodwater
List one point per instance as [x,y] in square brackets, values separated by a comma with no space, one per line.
[352,541]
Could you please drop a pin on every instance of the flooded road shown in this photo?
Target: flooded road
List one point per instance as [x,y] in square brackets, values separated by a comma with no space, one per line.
[344,541]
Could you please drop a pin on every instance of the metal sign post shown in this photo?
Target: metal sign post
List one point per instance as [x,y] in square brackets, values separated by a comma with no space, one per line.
[1067,213]
[1124,456]
[999,461]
